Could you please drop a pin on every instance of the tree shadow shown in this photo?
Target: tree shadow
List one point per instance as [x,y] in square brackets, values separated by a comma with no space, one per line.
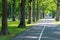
[51,33]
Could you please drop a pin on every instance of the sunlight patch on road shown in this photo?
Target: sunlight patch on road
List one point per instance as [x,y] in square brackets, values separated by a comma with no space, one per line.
[47,19]
[46,23]
[57,33]
[28,37]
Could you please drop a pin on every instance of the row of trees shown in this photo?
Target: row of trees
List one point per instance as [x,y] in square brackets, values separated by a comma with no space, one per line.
[33,10]
[8,8]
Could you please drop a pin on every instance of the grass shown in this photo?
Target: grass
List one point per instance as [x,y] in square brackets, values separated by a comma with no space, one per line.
[58,22]
[12,28]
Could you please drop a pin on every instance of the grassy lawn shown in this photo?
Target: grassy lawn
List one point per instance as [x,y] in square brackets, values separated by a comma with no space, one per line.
[12,28]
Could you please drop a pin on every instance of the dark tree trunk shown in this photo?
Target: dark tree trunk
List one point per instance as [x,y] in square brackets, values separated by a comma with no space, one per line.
[4,29]
[34,11]
[22,20]
[57,18]
[53,14]
[43,14]
[26,15]
[10,11]
[30,13]
[13,15]
[37,16]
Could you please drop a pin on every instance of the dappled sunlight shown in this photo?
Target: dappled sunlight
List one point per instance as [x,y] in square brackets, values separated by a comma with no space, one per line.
[51,33]
[57,32]
[47,22]
[13,23]
[30,19]
[28,37]
[47,19]
[58,22]
[49,38]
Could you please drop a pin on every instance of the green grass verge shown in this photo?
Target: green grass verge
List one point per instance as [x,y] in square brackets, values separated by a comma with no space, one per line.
[58,22]
[12,28]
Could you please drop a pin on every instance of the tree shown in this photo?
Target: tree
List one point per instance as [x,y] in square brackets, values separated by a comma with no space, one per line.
[38,8]
[4,29]
[58,12]
[34,17]
[13,15]
[30,12]
[22,20]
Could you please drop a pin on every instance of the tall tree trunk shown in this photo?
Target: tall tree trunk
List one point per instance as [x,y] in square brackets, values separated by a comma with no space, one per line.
[43,14]
[22,20]
[57,15]
[34,11]
[30,13]
[10,11]
[13,15]
[37,18]
[58,10]
[4,29]
[53,14]
[26,15]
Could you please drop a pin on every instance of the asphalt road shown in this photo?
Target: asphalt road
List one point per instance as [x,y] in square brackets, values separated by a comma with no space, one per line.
[46,29]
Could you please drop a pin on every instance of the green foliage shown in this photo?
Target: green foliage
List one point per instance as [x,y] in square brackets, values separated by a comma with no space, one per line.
[27,6]
[48,5]
[45,5]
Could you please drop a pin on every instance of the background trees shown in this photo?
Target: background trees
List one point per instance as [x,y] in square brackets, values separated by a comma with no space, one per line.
[31,10]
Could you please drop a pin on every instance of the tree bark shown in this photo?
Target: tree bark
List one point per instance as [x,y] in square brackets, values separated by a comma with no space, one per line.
[4,29]
[37,18]
[34,17]
[43,14]
[58,12]
[57,15]
[22,20]
[30,13]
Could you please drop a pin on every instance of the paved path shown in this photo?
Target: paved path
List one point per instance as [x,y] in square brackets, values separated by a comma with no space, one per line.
[46,29]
